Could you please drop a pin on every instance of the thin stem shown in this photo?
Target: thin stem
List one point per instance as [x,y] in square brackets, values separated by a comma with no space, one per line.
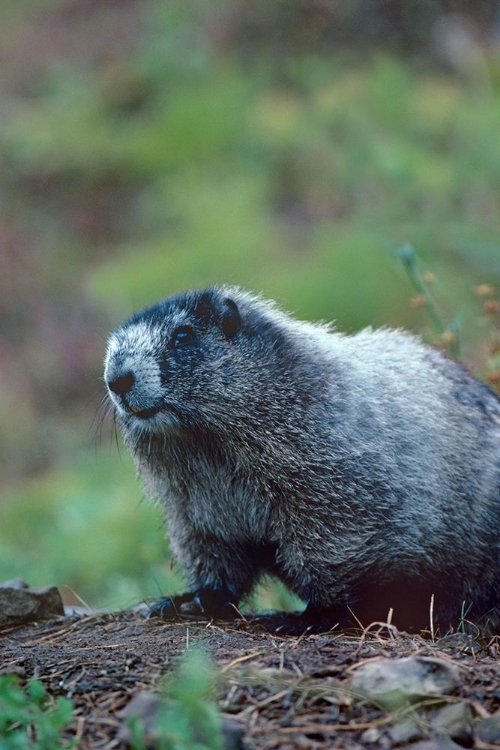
[407,255]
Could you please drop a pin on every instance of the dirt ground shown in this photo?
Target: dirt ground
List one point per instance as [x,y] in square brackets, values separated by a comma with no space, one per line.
[286,692]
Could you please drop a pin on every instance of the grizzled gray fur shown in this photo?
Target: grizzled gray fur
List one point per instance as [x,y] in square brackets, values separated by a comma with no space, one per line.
[362,471]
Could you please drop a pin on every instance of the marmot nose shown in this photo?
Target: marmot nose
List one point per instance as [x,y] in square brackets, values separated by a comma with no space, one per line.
[122,384]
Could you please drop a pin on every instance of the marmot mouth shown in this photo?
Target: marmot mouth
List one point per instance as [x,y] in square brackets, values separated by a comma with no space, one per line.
[143,413]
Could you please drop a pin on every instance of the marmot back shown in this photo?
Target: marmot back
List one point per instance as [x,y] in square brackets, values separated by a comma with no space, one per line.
[363,471]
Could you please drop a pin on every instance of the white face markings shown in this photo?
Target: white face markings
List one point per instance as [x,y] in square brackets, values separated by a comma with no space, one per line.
[139,338]
[138,348]
[135,349]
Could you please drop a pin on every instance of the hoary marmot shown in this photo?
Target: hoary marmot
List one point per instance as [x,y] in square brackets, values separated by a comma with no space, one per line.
[361,470]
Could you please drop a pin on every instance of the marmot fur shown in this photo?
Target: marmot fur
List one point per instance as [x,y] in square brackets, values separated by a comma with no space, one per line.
[363,471]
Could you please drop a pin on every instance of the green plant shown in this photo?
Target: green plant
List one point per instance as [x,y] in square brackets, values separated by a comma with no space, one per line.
[448,335]
[29,718]
[490,319]
[186,716]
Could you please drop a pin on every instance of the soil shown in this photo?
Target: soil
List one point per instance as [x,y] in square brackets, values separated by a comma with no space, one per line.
[286,692]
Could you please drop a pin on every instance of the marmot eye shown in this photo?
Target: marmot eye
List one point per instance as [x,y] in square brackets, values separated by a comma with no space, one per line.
[182,336]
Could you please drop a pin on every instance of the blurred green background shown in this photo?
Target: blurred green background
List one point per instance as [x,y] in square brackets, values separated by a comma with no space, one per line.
[290,147]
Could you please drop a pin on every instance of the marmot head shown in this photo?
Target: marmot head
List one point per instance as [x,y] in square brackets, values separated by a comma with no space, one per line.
[170,364]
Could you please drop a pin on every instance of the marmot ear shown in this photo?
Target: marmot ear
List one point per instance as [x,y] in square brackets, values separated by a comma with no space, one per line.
[224,314]
[231,319]
[204,308]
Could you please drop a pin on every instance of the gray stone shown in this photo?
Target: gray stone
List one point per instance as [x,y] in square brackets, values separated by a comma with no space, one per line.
[14,583]
[20,605]
[488,729]
[459,642]
[13,670]
[147,707]
[143,706]
[371,735]
[406,731]
[78,610]
[455,720]
[395,683]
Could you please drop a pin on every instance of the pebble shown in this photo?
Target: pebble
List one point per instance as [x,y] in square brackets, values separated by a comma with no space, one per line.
[456,720]
[488,729]
[19,604]
[395,683]
[147,708]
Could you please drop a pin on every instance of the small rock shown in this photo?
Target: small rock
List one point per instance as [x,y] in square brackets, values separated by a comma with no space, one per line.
[20,605]
[15,670]
[406,731]
[77,610]
[374,736]
[370,736]
[488,729]
[456,720]
[14,583]
[233,735]
[459,642]
[147,707]
[394,683]
[144,706]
